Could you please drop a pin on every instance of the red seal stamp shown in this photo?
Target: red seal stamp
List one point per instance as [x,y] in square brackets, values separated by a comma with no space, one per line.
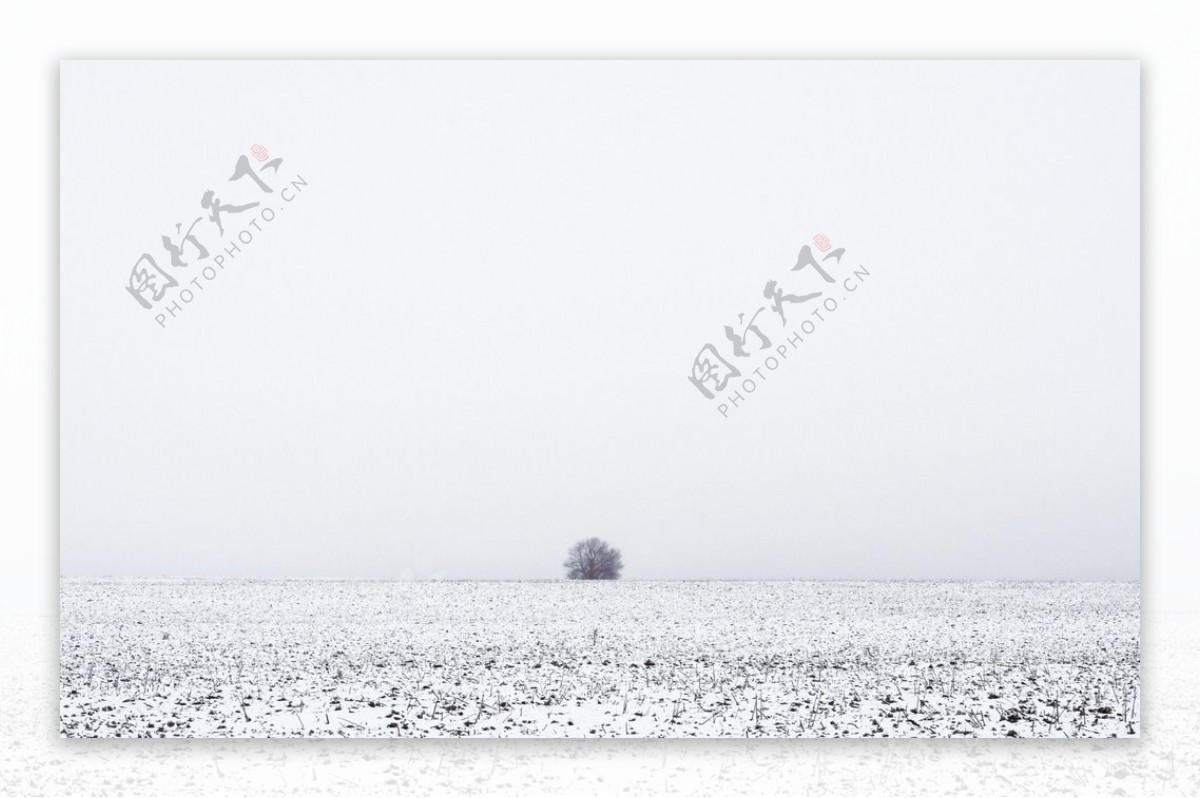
[260,152]
[822,242]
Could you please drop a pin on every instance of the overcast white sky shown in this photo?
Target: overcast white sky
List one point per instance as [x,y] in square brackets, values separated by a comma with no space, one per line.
[465,343]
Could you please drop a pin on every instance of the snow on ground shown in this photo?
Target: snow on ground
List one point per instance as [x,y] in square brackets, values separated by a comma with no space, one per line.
[320,658]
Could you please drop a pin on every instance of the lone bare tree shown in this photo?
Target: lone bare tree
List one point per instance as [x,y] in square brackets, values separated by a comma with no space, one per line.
[593,559]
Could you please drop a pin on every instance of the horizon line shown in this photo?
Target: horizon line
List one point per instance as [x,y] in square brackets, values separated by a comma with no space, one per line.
[176,578]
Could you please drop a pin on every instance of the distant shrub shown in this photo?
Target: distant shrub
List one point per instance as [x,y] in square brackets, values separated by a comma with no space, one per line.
[593,559]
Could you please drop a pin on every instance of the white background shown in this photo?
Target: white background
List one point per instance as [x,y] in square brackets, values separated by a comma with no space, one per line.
[32,760]
[465,340]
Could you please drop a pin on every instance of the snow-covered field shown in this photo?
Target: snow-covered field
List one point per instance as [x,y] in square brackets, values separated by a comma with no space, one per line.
[232,658]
